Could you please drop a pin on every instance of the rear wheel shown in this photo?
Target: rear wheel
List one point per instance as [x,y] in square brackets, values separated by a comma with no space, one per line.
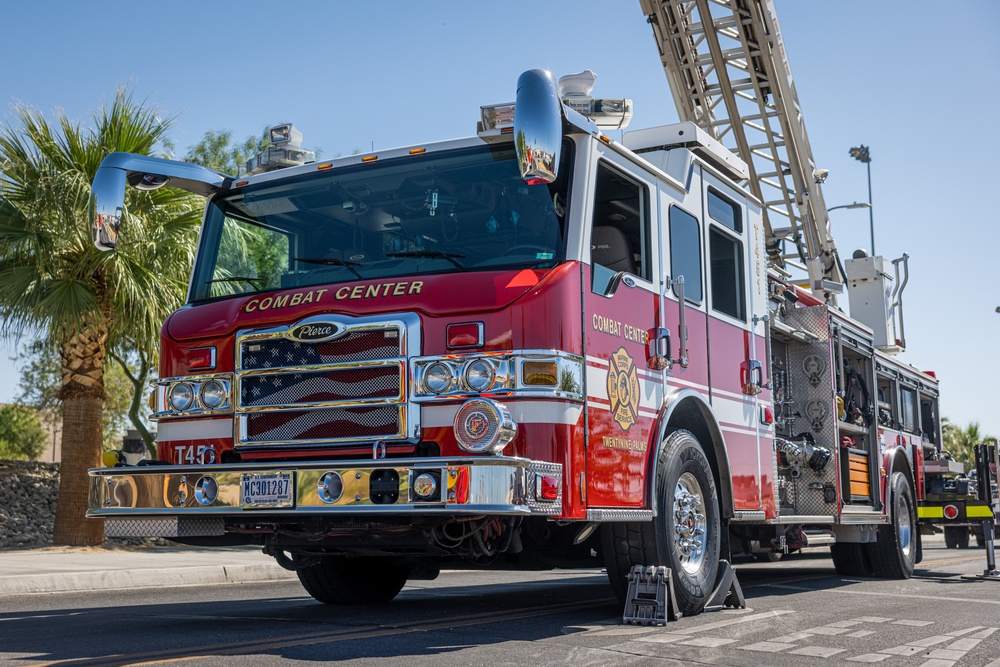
[956,537]
[894,553]
[684,536]
[851,559]
[353,580]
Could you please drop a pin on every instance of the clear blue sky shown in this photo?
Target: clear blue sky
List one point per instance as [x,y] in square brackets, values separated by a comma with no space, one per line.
[916,81]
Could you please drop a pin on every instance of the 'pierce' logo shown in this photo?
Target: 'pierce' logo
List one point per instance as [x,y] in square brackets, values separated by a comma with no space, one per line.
[623,388]
[315,332]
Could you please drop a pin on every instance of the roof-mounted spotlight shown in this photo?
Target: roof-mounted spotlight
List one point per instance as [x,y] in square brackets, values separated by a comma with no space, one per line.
[285,151]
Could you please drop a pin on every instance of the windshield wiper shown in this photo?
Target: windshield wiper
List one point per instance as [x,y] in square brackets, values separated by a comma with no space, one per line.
[331,261]
[236,279]
[430,254]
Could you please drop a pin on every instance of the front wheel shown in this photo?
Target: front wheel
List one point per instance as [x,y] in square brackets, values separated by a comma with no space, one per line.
[685,534]
[894,552]
[353,580]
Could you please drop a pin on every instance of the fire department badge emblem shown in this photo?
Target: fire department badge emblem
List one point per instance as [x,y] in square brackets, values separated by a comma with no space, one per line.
[623,388]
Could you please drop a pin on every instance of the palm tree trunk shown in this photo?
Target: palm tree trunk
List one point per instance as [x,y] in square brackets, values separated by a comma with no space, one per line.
[82,395]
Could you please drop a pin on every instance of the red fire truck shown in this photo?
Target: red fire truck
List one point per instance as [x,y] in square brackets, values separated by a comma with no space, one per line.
[535,347]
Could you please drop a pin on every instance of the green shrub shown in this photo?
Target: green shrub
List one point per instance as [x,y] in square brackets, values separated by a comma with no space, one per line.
[21,433]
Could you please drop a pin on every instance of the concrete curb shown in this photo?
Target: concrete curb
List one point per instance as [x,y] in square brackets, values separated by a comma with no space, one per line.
[63,582]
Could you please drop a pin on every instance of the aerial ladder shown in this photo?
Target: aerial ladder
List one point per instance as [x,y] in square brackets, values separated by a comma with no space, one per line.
[728,73]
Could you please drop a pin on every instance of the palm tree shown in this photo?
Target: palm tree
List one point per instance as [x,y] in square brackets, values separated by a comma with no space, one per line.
[959,442]
[54,281]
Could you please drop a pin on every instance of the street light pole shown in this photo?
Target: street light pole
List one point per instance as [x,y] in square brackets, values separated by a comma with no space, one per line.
[861,153]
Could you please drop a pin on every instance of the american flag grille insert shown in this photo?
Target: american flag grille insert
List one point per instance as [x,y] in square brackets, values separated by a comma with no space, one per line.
[325,424]
[360,345]
[313,387]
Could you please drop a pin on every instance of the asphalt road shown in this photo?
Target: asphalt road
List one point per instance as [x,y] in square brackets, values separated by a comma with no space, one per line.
[799,613]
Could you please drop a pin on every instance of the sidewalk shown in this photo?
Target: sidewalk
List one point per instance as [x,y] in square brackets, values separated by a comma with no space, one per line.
[63,569]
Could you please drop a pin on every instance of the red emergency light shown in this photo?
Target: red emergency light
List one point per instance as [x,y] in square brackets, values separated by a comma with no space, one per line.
[465,334]
[201,359]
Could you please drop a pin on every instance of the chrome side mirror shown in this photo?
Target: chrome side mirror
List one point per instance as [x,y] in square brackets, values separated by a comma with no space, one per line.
[107,192]
[537,126]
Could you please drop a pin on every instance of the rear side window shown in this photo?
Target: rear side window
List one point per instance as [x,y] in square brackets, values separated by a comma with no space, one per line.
[685,253]
[728,286]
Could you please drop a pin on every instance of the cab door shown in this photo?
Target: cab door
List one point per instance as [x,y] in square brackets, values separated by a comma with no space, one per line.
[621,306]
[737,353]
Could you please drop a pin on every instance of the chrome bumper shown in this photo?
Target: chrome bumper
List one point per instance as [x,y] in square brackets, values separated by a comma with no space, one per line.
[468,486]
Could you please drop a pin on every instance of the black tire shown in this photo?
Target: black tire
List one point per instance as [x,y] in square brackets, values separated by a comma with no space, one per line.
[684,484]
[353,580]
[894,553]
[851,559]
[956,537]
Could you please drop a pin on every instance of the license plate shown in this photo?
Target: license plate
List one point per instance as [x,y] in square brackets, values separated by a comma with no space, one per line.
[265,489]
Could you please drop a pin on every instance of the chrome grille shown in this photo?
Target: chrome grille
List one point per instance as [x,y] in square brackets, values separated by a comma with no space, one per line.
[324,424]
[319,387]
[291,391]
[367,345]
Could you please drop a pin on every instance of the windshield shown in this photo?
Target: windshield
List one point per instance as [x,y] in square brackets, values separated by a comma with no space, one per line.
[460,211]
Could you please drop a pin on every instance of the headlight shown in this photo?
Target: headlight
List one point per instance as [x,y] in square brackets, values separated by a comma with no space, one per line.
[480,375]
[180,396]
[438,378]
[213,394]
[482,425]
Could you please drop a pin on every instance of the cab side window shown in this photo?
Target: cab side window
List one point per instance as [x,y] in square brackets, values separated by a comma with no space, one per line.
[725,249]
[619,240]
[685,253]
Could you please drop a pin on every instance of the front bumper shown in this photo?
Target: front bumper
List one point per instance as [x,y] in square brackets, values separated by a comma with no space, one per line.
[173,495]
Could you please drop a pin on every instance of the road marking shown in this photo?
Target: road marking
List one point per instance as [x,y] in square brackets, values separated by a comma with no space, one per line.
[826,630]
[734,621]
[707,642]
[794,637]
[767,647]
[345,634]
[870,657]
[959,633]
[936,598]
[25,618]
[930,641]
[817,651]
[902,650]
[938,663]
[985,633]
[915,624]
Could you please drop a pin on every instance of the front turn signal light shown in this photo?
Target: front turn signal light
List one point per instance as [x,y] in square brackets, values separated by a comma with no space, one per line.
[541,373]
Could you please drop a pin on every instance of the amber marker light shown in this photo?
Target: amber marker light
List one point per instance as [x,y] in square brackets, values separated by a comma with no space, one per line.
[240,184]
[544,373]
[417,151]
[369,158]
[324,166]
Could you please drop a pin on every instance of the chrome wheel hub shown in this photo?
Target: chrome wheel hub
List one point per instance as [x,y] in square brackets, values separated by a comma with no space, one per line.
[689,524]
[905,528]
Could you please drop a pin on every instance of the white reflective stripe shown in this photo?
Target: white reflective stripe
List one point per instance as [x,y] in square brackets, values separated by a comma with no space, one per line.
[737,413]
[739,430]
[522,412]
[650,393]
[199,429]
